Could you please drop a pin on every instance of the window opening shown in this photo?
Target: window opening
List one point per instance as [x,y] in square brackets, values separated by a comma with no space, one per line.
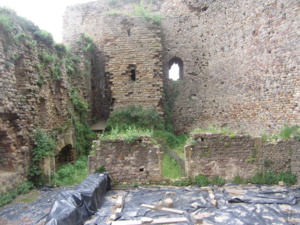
[175,69]
[174,72]
[132,76]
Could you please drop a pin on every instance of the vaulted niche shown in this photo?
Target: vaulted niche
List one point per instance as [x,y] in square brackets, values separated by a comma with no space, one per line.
[176,69]
[66,155]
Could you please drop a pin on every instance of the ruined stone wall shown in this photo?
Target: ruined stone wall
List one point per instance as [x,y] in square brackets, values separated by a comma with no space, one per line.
[34,94]
[133,54]
[128,163]
[229,156]
[125,45]
[240,62]
[220,155]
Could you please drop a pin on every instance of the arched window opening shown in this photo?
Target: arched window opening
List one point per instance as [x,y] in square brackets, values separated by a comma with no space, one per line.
[175,69]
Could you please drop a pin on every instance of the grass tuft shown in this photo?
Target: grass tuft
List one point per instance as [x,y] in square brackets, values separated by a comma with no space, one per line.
[170,168]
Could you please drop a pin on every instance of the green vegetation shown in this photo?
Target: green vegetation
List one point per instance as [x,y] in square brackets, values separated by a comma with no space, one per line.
[5,22]
[47,58]
[129,134]
[19,37]
[216,130]
[170,168]
[286,132]
[88,42]
[145,13]
[61,50]
[71,174]
[268,177]
[8,197]
[137,117]
[84,135]
[100,169]
[201,180]
[132,122]
[45,145]
[44,37]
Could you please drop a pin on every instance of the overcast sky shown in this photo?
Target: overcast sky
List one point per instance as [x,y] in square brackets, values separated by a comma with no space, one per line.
[47,14]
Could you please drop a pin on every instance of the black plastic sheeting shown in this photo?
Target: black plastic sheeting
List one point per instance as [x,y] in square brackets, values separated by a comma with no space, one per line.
[76,206]
[258,205]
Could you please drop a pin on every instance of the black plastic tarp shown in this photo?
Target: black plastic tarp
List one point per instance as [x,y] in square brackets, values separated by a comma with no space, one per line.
[76,206]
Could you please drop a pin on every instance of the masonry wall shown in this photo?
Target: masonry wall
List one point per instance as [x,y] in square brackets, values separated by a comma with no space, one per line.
[240,62]
[32,96]
[133,54]
[229,156]
[128,163]
[123,44]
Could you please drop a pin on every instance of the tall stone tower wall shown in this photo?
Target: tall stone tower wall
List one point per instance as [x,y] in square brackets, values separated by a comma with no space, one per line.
[240,59]
[130,53]
[240,62]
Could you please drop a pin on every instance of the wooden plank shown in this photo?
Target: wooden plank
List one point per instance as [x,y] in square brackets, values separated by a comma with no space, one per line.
[163,209]
[155,221]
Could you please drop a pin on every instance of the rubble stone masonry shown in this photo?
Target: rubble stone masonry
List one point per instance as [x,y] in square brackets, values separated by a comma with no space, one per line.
[230,155]
[128,163]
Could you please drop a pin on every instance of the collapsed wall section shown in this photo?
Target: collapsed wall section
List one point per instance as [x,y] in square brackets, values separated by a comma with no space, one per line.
[128,163]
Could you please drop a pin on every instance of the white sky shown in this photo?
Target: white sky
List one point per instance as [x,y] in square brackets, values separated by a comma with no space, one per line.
[47,14]
[174,72]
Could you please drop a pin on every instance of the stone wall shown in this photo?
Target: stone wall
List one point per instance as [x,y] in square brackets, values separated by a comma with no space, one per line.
[240,62]
[133,62]
[130,51]
[34,94]
[128,163]
[229,156]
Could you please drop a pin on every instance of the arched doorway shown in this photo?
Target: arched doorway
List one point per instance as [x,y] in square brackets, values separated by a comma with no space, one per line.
[66,155]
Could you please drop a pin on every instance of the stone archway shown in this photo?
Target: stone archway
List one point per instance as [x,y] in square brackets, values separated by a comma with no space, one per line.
[66,155]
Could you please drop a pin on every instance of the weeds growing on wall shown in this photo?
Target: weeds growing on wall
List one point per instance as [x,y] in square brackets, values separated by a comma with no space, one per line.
[71,174]
[44,36]
[88,42]
[144,12]
[45,145]
[84,135]
[8,197]
[286,132]
[5,22]
[135,116]
[129,134]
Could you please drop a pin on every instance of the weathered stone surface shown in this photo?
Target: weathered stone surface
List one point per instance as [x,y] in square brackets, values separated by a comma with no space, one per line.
[138,162]
[31,97]
[225,156]
[168,202]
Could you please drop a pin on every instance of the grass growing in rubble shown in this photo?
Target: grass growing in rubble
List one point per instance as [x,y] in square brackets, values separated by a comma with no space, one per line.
[8,197]
[71,174]
[170,168]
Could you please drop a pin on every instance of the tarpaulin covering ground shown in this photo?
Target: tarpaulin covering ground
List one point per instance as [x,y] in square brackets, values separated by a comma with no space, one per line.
[231,204]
